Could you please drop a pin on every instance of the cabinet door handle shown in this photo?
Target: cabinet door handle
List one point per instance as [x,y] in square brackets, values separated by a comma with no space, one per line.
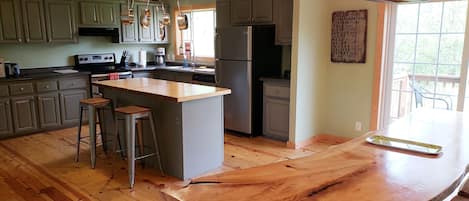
[28,40]
[20,40]
[21,89]
[47,86]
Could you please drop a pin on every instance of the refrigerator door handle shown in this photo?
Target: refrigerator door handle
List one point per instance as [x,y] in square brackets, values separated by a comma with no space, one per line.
[218,68]
[249,41]
[217,46]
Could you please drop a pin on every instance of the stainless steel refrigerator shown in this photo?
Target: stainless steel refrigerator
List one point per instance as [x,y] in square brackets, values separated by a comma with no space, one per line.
[243,55]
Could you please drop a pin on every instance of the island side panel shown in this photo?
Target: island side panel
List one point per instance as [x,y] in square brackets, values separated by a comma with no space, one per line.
[203,135]
[168,120]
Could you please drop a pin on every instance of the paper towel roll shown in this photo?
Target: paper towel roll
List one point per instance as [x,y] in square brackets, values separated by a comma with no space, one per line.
[142,58]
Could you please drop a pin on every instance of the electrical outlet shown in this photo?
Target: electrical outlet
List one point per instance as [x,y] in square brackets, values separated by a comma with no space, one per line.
[358,126]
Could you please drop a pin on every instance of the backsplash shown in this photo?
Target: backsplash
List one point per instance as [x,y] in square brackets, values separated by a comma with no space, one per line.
[52,55]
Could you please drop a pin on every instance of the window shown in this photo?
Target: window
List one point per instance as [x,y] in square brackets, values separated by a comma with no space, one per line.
[428,56]
[198,40]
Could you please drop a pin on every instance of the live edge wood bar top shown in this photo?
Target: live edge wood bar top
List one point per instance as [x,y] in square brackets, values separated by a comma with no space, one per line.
[172,91]
[354,170]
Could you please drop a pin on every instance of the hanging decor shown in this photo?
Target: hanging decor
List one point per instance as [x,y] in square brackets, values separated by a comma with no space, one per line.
[129,18]
[182,19]
[145,17]
[166,20]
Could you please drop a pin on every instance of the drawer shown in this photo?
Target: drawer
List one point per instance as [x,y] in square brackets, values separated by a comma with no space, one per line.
[277,91]
[4,91]
[23,88]
[74,83]
[45,86]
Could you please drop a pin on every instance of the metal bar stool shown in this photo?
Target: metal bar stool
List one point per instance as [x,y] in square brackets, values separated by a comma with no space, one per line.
[132,114]
[94,107]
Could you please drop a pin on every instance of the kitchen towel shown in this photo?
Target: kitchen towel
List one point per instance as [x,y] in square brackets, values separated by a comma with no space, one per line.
[113,76]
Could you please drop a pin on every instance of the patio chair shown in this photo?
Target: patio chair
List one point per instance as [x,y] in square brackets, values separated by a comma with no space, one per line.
[421,93]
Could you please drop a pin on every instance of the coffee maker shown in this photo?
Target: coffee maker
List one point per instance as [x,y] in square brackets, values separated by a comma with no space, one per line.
[160,56]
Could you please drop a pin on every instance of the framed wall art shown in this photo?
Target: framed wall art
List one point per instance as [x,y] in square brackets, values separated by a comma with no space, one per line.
[348,40]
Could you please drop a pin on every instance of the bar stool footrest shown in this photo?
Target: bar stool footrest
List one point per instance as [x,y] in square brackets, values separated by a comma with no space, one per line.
[145,156]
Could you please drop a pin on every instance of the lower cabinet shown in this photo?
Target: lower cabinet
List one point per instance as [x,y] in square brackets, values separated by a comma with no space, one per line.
[70,105]
[49,112]
[24,114]
[276,109]
[6,127]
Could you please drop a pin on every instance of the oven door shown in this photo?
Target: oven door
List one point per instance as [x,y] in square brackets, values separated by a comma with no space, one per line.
[101,77]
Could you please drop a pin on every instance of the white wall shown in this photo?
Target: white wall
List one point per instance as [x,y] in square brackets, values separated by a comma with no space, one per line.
[328,97]
[309,60]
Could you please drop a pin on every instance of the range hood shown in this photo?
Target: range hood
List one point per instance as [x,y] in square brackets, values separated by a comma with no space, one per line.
[112,32]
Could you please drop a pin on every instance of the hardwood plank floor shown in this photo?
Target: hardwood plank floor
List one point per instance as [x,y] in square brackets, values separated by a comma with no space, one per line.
[41,167]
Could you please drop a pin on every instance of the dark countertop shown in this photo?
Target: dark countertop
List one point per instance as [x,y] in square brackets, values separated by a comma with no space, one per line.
[198,70]
[42,73]
[275,80]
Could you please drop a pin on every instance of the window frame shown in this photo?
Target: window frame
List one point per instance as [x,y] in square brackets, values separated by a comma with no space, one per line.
[383,74]
[177,33]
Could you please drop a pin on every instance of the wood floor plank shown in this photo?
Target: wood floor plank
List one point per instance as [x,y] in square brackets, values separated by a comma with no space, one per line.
[41,167]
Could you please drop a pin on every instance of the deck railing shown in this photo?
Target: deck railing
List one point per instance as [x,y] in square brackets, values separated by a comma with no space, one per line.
[403,99]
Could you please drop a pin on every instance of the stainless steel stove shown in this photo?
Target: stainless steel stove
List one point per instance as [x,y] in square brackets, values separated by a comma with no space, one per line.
[102,67]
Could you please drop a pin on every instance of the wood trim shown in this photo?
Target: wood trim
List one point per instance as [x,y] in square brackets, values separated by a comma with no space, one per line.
[318,138]
[176,34]
[379,62]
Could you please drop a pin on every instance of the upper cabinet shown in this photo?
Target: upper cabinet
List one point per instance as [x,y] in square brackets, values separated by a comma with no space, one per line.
[247,12]
[34,23]
[262,11]
[146,34]
[155,33]
[283,18]
[161,30]
[99,14]
[223,13]
[37,21]
[10,23]
[60,21]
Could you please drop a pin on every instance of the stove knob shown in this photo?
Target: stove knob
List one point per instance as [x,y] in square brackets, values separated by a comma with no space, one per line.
[86,59]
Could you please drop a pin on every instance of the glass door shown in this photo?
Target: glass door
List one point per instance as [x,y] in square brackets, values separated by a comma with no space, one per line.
[427,58]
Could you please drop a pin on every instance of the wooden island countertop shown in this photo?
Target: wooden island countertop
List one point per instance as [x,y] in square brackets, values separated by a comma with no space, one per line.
[354,170]
[169,90]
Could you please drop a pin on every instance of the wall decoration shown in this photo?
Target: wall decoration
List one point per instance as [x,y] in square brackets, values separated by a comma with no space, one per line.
[348,43]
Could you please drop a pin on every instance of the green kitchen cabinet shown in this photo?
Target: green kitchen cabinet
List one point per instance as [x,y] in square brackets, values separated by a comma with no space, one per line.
[247,12]
[24,114]
[6,127]
[262,11]
[223,13]
[146,34]
[10,22]
[60,21]
[283,18]
[241,12]
[161,30]
[155,33]
[34,24]
[69,105]
[49,110]
[98,14]
[129,32]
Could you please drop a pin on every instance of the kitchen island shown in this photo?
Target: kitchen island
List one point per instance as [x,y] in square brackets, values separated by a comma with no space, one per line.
[354,170]
[188,118]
